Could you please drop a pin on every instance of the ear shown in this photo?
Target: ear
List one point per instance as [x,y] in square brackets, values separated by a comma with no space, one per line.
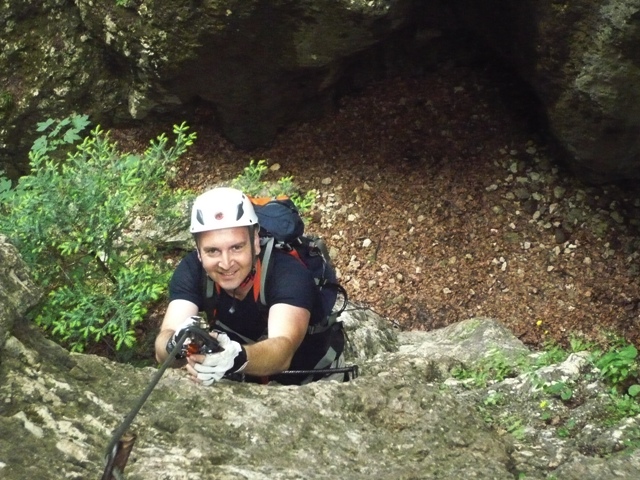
[195,238]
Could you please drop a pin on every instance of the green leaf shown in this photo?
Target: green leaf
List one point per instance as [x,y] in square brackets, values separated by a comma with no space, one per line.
[42,126]
[634,390]
[566,394]
[80,122]
[629,352]
[5,185]
[71,136]
[40,144]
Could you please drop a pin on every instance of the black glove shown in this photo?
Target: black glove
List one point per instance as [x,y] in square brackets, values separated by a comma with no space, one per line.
[189,322]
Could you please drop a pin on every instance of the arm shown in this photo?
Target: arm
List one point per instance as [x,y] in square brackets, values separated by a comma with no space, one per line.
[177,312]
[287,328]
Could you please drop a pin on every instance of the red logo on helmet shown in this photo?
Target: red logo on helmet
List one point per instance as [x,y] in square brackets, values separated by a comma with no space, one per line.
[219,216]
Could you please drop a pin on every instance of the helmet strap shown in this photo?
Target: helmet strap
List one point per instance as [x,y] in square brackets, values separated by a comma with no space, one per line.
[247,280]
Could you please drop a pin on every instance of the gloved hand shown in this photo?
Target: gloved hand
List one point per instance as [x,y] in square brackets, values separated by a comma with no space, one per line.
[189,322]
[233,359]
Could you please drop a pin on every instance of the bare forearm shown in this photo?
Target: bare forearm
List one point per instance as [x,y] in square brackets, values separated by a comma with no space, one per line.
[269,356]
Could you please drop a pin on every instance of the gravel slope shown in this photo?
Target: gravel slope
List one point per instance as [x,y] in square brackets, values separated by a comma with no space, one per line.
[441,202]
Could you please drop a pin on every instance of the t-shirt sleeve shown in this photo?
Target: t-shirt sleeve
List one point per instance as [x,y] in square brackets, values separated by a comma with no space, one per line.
[186,282]
[291,282]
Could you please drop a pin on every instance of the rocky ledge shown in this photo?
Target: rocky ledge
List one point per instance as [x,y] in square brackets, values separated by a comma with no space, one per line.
[410,413]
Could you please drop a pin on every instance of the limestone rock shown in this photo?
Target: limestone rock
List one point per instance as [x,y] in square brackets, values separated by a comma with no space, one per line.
[581,60]
[17,291]
[258,67]
[404,417]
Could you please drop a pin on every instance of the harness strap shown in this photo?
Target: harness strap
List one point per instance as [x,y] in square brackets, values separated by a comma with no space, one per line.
[327,364]
[257,281]
[324,326]
[328,359]
[228,330]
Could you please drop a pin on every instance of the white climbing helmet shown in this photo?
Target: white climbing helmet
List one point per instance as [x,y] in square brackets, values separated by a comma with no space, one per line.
[220,208]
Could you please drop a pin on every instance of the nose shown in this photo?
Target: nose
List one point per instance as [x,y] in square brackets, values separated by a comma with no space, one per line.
[225,260]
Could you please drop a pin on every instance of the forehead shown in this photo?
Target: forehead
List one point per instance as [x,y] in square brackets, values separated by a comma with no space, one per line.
[223,238]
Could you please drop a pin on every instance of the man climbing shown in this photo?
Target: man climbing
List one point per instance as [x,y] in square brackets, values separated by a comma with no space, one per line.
[257,341]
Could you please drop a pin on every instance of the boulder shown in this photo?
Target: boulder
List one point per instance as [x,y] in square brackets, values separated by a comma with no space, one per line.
[259,66]
[18,293]
[581,60]
[405,416]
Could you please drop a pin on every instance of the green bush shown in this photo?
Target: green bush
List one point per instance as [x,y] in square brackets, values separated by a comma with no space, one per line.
[251,182]
[619,365]
[72,220]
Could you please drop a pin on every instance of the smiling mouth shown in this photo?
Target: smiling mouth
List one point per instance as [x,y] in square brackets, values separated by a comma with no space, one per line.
[227,275]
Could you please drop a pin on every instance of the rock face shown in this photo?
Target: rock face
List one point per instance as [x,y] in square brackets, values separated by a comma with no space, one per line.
[17,291]
[582,61]
[403,417]
[260,66]
[50,67]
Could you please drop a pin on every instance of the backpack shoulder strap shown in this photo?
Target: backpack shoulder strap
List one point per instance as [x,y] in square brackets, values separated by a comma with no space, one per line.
[267,249]
[267,244]
[210,292]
